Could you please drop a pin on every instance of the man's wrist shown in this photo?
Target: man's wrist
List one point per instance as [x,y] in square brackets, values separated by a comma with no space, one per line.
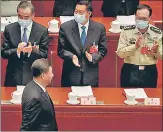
[74,57]
[18,51]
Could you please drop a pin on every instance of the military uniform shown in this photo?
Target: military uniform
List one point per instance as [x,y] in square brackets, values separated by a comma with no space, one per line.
[139,69]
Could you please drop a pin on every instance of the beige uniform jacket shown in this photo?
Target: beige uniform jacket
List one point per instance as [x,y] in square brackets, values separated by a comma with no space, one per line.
[127,45]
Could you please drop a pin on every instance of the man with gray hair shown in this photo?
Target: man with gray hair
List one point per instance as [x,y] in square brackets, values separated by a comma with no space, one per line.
[24,42]
[37,107]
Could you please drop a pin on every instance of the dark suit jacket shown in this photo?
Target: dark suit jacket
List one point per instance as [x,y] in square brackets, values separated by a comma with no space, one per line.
[64,8]
[37,110]
[18,70]
[110,8]
[69,44]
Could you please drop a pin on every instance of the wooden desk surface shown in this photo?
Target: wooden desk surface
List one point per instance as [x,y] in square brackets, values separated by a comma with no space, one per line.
[104,20]
[113,116]
[110,96]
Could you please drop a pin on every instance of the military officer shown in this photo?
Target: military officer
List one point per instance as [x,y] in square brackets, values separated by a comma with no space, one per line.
[141,46]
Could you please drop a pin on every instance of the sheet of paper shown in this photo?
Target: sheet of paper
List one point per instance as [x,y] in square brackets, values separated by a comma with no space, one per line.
[126,20]
[7,20]
[4,22]
[64,19]
[138,92]
[6,102]
[82,91]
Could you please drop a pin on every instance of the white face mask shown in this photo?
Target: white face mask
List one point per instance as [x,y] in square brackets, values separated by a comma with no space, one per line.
[141,24]
[24,23]
[79,18]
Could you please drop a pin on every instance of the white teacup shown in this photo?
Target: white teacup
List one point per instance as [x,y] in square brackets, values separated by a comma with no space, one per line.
[16,95]
[72,96]
[20,88]
[130,97]
[115,25]
[53,24]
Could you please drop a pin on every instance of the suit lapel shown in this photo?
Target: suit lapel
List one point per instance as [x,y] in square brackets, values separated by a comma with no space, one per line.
[76,35]
[89,36]
[48,101]
[17,34]
[45,97]
[33,33]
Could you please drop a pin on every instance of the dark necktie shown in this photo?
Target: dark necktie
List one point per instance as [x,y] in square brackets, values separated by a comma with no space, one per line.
[49,98]
[83,35]
[24,38]
[47,95]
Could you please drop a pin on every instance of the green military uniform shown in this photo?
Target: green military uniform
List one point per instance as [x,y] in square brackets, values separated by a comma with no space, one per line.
[139,69]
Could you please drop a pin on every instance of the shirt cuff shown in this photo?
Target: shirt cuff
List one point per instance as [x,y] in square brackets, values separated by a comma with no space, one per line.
[18,55]
[29,54]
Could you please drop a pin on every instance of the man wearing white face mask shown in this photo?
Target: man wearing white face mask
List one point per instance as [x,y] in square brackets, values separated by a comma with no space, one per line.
[141,46]
[82,44]
[24,42]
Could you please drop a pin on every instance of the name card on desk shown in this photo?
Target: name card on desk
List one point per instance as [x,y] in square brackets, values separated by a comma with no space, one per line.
[152,101]
[88,101]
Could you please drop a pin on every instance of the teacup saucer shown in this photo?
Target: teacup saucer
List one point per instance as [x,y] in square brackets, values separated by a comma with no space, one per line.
[53,31]
[114,31]
[15,101]
[73,102]
[131,103]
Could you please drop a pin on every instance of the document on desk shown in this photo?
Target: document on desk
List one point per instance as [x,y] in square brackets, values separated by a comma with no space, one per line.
[64,19]
[82,91]
[7,20]
[138,92]
[126,20]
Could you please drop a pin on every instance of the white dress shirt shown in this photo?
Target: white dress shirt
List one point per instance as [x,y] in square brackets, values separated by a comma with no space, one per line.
[80,28]
[28,32]
[43,88]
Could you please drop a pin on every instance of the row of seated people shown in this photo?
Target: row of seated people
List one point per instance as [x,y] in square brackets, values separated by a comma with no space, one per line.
[101,7]
[83,49]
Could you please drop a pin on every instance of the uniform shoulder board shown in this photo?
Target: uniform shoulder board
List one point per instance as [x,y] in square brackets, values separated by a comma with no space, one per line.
[155,29]
[129,27]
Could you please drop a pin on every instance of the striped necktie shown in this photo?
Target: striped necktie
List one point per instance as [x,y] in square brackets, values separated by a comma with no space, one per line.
[24,37]
[83,35]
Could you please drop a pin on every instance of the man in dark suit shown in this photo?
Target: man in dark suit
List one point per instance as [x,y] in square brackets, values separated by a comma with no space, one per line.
[24,42]
[112,8]
[37,107]
[82,44]
[64,8]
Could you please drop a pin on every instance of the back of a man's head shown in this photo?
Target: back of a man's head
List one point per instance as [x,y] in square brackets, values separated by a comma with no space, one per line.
[40,66]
